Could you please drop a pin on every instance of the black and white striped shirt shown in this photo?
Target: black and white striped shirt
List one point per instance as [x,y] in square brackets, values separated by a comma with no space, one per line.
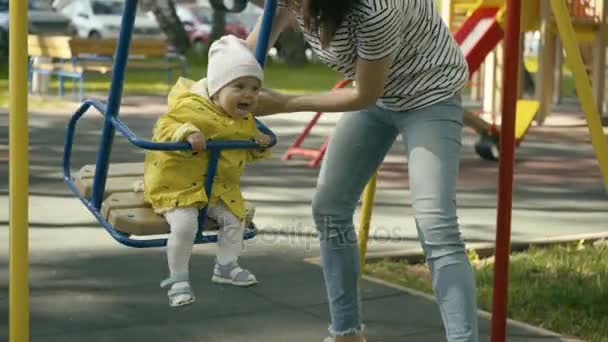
[428,66]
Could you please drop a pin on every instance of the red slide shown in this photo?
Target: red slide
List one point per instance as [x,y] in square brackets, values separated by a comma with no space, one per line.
[478,35]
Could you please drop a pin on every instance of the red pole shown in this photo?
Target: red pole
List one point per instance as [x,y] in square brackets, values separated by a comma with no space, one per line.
[505,175]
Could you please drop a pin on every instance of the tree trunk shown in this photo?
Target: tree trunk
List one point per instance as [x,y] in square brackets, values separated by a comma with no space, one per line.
[164,11]
[292,47]
[218,25]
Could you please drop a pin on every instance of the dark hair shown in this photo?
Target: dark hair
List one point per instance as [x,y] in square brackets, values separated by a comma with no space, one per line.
[323,16]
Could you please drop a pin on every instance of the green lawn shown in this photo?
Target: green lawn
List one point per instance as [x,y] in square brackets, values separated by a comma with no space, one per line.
[312,77]
[561,288]
[309,78]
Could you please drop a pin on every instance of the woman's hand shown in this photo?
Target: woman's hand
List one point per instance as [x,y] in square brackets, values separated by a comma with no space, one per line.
[197,141]
[271,102]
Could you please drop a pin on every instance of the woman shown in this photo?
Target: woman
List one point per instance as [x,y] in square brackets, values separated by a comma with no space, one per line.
[408,73]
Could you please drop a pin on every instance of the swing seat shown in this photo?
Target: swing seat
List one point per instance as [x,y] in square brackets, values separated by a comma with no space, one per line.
[125,209]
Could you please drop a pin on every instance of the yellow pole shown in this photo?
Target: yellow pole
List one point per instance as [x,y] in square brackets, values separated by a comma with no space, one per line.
[366,218]
[19,319]
[583,87]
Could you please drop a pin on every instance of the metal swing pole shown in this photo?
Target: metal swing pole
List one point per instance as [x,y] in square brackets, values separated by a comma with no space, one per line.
[505,175]
[19,291]
[114,98]
[261,47]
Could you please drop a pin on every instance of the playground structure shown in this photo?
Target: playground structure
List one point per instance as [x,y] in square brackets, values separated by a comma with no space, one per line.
[479,35]
[315,155]
[483,52]
[19,309]
[589,22]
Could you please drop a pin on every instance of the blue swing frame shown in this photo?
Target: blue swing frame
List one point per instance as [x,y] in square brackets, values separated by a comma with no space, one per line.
[112,123]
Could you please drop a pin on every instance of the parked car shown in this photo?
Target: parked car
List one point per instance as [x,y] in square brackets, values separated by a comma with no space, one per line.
[102,18]
[249,16]
[42,19]
[197,22]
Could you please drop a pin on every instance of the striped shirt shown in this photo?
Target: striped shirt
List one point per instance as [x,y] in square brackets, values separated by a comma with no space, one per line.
[428,66]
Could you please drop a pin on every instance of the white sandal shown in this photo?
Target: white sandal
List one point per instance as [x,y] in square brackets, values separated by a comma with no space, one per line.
[179,296]
[232,274]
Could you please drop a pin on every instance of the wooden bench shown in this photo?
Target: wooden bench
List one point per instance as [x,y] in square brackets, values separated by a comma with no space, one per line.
[125,209]
[71,57]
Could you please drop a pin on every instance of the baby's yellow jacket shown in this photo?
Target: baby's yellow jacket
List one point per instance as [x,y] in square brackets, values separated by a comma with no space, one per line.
[176,178]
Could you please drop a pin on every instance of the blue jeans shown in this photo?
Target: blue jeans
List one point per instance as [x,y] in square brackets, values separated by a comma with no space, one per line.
[432,138]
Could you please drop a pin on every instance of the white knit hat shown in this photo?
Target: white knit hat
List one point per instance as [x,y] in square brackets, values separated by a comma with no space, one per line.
[229,59]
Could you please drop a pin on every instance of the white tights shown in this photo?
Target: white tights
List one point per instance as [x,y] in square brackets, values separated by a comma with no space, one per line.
[184,224]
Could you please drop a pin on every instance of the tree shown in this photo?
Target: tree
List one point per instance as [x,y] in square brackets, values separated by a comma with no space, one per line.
[290,45]
[164,11]
[218,25]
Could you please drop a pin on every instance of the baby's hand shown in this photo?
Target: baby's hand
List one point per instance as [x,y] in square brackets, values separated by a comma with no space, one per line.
[197,141]
[262,139]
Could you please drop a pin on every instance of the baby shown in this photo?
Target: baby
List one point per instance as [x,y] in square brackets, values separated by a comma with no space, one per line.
[216,108]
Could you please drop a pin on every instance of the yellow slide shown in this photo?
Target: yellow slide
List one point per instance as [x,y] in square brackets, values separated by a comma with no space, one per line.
[525,112]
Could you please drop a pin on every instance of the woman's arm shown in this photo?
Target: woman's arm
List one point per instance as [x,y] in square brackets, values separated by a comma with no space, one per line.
[369,86]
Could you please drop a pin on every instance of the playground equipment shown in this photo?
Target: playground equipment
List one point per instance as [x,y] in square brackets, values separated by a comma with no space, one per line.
[19,307]
[478,36]
[125,216]
[315,155]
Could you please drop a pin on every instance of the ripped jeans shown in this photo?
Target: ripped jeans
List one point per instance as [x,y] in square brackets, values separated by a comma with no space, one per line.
[432,138]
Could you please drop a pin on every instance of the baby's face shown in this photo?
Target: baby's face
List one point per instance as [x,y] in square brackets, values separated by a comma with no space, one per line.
[239,97]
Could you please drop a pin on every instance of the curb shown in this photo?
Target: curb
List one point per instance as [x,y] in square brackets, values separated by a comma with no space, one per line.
[487,249]
[484,250]
[482,313]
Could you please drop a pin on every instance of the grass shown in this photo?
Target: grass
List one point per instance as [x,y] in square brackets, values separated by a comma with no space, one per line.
[563,288]
[309,78]
[312,77]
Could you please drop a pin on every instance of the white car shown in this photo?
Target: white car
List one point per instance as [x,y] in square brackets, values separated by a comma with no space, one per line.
[42,20]
[102,18]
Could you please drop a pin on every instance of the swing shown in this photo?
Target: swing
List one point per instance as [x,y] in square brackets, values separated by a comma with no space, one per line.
[107,190]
